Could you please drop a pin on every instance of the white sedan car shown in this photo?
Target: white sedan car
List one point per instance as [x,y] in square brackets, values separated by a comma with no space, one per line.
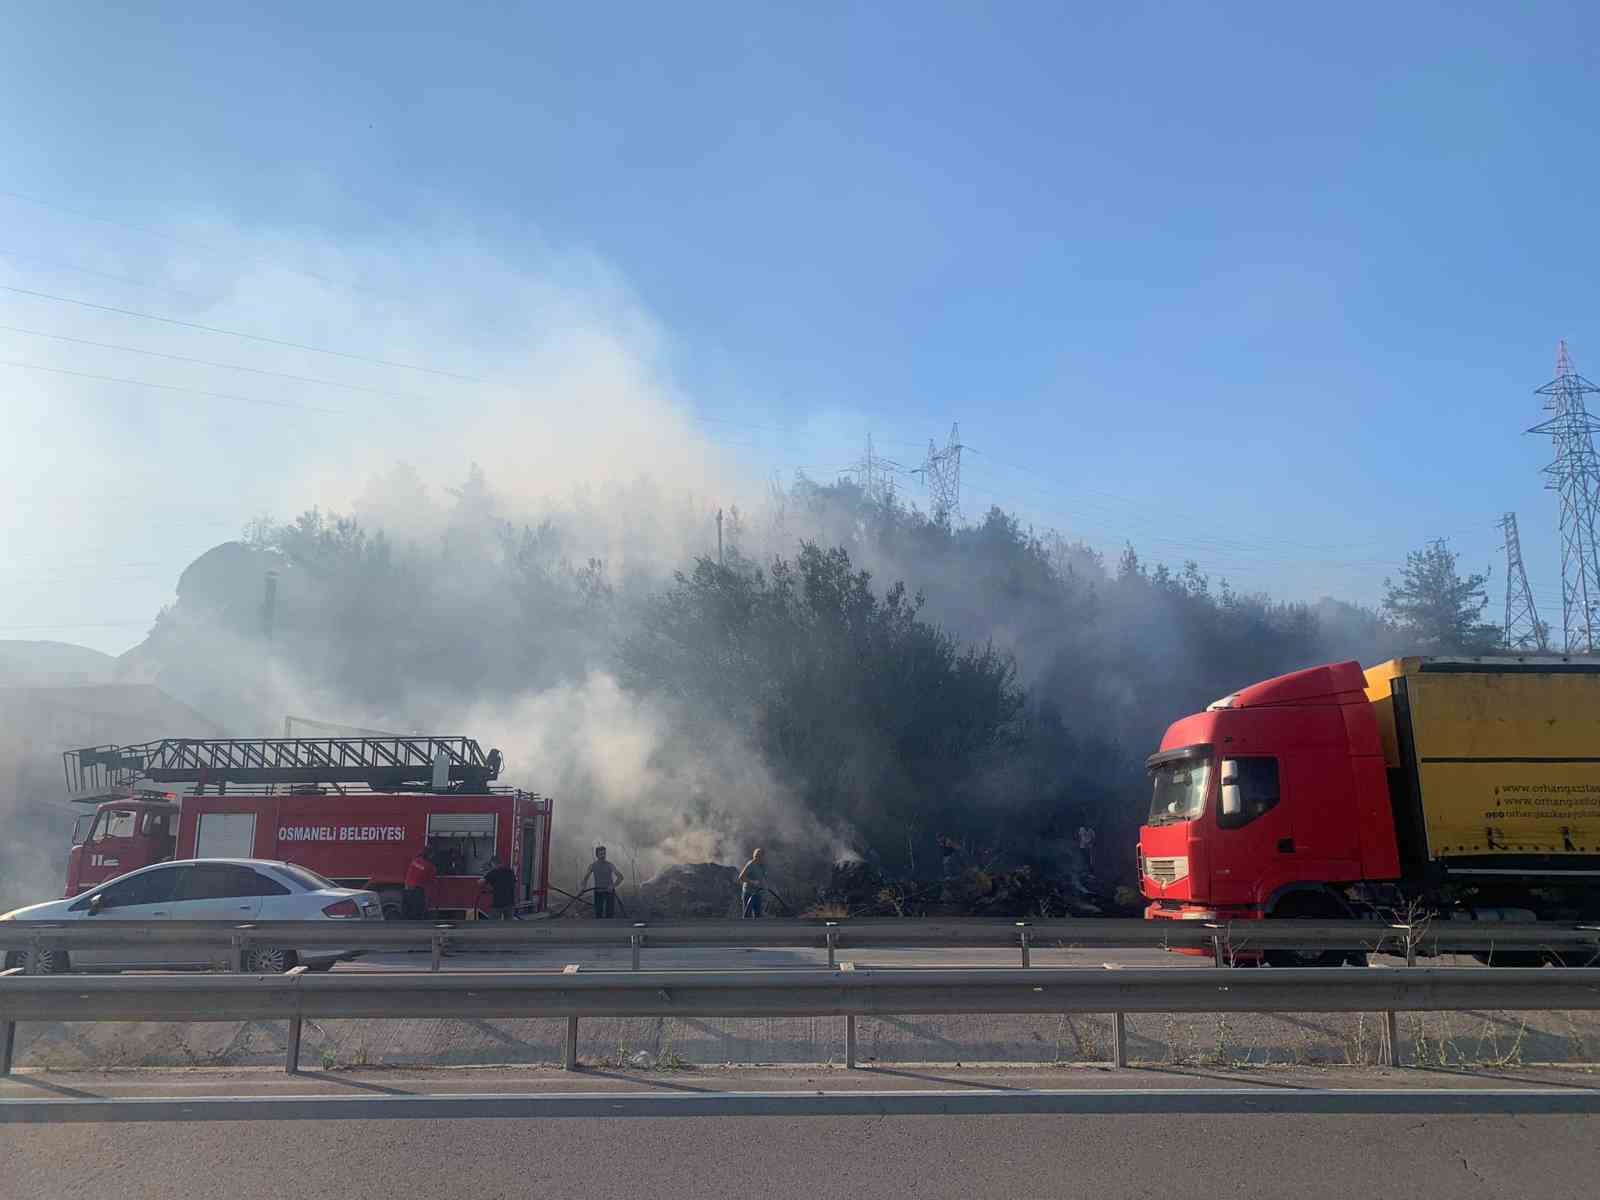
[201,889]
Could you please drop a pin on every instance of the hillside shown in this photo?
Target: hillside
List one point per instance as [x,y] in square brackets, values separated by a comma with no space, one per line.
[52,664]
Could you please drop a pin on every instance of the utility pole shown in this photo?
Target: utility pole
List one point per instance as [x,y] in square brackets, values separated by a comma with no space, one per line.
[1575,477]
[1523,628]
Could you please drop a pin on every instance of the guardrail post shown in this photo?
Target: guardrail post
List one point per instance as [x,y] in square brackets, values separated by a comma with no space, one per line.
[849,1027]
[30,956]
[438,950]
[637,940]
[8,1032]
[1119,1040]
[569,1052]
[292,1059]
[1027,959]
[238,941]
[833,943]
[1219,959]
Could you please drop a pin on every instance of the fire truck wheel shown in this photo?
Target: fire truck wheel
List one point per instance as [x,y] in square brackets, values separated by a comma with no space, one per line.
[393,910]
[269,960]
[47,960]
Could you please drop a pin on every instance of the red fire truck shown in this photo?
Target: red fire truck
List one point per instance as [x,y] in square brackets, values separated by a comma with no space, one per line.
[356,810]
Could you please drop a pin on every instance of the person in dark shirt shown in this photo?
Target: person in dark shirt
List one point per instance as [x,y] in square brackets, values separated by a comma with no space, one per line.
[501,881]
[606,877]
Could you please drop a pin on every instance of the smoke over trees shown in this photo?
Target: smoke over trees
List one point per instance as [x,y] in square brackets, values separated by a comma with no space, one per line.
[853,677]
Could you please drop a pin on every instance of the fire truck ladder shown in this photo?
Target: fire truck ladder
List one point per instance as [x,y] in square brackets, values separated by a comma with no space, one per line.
[378,763]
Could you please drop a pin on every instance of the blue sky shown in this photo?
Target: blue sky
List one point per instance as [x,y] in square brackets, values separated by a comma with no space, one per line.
[1264,285]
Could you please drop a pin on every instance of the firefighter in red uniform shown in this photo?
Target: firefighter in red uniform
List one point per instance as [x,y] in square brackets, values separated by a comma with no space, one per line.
[420,873]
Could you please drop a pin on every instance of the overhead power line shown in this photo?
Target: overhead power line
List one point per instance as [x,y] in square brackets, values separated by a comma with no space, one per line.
[206,362]
[238,333]
[152,231]
[167,387]
[129,280]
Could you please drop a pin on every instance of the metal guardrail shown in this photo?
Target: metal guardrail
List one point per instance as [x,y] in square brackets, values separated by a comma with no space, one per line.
[845,991]
[1225,941]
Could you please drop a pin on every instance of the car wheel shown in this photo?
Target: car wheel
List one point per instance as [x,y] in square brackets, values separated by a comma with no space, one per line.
[47,960]
[268,960]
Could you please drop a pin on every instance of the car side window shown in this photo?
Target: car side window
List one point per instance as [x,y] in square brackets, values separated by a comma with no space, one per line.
[215,881]
[1258,791]
[261,884]
[148,887]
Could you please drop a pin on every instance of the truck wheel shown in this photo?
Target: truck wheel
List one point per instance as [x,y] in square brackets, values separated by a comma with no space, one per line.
[47,960]
[1311,908]
[268,960]
[1577,956]
[393,908]
[1510,958]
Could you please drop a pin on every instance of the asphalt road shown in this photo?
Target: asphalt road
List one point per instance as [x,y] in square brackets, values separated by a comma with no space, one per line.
[1206,1147]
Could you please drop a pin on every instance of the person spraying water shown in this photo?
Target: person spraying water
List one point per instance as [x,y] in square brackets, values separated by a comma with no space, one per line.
[753,883]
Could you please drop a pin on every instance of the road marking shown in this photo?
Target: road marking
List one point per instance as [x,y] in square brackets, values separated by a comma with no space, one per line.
[478,1106]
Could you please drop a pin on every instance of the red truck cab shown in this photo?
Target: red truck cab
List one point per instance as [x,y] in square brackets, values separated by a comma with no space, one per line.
[121,836]
[1268,801]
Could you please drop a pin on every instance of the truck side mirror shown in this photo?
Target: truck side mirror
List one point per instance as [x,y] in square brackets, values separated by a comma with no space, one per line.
[1232,801]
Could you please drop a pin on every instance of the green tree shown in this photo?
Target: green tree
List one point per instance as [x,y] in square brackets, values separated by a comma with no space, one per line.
[1437,607]
[878,719]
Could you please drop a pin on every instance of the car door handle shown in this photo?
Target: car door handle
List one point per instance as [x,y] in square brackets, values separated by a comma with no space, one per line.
[1285,845]
[160,913]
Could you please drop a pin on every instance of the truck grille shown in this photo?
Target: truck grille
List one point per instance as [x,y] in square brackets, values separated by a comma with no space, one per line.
[1167,871]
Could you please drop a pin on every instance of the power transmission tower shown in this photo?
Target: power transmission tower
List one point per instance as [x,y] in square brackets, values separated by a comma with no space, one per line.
[1575,476]
[875,476]
[941,475]
[1523,628]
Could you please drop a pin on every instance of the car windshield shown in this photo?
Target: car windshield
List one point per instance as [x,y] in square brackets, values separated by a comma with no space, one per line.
[304,877]
[1179,790]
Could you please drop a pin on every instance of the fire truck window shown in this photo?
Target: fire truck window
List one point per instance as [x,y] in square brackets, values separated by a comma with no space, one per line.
[80,829]
[115,824]
[465,841]
[1258,791]
[148,887]
[156,824]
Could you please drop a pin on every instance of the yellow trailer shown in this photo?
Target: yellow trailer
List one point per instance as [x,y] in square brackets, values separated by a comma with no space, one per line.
[1492,760]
